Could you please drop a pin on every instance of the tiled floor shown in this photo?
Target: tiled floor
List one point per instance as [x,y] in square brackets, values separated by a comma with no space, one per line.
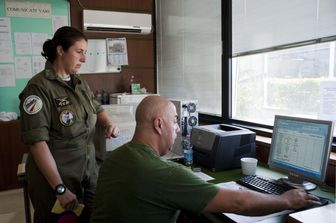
[12,206]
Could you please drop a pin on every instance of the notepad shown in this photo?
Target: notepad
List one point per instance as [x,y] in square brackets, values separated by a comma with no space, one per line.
[57,209]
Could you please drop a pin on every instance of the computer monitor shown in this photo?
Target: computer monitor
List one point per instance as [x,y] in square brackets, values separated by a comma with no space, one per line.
[300,148]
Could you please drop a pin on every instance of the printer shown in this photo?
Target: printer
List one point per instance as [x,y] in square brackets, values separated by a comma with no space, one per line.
[220,146]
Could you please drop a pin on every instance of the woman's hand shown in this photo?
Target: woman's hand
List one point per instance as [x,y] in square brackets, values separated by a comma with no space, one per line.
[111,131]
[68,200]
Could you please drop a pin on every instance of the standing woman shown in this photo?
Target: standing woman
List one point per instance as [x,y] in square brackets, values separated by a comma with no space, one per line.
[58,117]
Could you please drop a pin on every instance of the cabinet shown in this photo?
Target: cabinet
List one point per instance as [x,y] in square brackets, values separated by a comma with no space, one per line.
[11,151]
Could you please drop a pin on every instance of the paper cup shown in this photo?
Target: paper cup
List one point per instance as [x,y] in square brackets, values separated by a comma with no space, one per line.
[249,165]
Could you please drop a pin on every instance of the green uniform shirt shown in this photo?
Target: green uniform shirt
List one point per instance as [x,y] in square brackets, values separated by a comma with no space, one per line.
[65,118]
[136,185]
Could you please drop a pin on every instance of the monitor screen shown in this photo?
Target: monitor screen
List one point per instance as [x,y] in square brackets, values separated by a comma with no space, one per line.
[300,148]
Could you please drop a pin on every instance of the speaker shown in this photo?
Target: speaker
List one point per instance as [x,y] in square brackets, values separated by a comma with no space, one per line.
[187,113]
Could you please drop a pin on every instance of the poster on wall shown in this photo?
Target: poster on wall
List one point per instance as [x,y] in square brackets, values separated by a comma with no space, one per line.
[28,9]
[117,51]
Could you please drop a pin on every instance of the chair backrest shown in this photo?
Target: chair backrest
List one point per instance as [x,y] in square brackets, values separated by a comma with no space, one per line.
[21,175]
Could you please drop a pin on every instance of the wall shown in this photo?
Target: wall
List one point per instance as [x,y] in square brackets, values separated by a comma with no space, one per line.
[11,151]
[141,56]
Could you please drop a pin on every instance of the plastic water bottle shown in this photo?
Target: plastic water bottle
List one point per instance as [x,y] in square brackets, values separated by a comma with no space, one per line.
[187,151]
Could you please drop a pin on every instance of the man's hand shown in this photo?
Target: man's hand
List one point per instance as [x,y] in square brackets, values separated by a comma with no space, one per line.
[298,198]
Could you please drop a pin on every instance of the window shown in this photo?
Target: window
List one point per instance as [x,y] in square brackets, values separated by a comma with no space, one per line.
[283,59]
[278,57]
[287,82]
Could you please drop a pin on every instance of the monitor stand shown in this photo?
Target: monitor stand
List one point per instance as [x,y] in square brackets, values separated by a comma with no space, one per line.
[298,183]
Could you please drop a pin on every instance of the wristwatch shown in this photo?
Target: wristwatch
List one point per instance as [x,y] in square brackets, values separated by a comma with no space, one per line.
[60,189]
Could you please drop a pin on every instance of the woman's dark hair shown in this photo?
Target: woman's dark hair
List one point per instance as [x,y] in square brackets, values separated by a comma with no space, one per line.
[65,37]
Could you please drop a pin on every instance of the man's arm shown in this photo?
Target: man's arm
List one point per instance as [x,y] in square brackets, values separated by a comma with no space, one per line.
[248,202]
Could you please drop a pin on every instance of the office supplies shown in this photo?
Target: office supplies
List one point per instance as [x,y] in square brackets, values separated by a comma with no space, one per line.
[300,148]
[221,146]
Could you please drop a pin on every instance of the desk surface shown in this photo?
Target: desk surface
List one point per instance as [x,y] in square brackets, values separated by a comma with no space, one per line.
[325,214]
[262,170]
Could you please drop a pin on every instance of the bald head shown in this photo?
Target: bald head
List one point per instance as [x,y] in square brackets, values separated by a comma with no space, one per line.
[156,124]
[150,108]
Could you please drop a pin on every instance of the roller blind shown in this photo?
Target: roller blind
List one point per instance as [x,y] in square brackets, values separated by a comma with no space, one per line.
[189,44]
[262,24]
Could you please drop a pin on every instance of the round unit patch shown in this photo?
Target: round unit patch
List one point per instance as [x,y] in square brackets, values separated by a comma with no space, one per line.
[67,117]
[32,104]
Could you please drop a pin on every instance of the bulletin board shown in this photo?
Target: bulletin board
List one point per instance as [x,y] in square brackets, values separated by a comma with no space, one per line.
[37,20]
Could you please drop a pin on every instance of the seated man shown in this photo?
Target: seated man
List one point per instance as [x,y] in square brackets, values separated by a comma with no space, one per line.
[136,185]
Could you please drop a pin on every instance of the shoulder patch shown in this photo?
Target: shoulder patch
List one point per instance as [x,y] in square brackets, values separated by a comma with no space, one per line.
[32,104]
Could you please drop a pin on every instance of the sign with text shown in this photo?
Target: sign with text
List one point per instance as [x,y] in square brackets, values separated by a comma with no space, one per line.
[28,9]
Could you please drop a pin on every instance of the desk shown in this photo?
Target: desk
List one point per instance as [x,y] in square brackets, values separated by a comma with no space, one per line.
[325,214]
[232,175]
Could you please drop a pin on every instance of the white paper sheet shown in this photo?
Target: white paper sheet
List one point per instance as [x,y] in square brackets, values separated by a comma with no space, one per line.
[58,22]
[6,49]
[23,67]
[7,75]
[203,176]
[22,43]
[37,42]
[38,64]
[242,218]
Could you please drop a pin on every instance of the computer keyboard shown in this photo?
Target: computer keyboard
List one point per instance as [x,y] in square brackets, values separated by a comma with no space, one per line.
[264,185]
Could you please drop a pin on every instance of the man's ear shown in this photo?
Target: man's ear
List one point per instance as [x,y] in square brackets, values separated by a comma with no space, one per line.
[158,125]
